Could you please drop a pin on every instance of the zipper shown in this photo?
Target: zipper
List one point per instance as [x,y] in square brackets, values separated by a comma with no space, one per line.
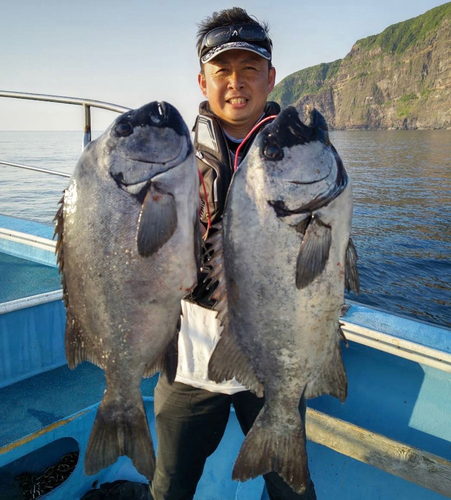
[202,157]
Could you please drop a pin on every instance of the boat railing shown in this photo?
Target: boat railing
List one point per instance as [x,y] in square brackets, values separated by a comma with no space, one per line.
[86,104]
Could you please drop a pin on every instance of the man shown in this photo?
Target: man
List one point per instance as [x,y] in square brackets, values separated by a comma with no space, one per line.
[236,77]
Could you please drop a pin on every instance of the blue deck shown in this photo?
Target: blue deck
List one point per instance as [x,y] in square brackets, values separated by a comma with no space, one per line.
[31,341]
[59,407]
[40,401]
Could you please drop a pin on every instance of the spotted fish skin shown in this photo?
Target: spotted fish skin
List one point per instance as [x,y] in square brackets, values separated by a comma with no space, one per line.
[128,252]
[286,229]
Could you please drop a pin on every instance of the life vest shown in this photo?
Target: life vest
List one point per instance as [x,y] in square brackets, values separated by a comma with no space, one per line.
[214,158]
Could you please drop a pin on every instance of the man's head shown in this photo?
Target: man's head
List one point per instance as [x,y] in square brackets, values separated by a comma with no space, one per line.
[232,29]
[236,73]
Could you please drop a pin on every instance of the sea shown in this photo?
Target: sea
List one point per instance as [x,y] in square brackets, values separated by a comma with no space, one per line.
[402,208]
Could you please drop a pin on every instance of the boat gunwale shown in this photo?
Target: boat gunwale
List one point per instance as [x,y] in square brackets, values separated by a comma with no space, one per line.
[401,345]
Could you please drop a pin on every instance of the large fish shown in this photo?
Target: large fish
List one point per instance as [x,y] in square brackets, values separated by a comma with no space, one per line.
[280,262]
[127,245]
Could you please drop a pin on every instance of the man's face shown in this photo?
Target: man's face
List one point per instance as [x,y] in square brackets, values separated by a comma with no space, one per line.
[236,84]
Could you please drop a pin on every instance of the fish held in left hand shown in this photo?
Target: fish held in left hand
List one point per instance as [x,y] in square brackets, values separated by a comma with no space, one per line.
[128,252]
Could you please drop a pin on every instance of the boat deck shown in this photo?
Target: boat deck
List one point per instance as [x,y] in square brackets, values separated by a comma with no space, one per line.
[40,401]
[47,416]
[51,414]
[24,278]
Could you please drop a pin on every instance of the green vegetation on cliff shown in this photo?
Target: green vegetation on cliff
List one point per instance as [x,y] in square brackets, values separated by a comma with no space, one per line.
[400,78]
[305,81]
[396,39]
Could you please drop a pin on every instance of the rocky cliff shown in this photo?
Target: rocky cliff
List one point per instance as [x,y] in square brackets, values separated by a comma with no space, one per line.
[399,79]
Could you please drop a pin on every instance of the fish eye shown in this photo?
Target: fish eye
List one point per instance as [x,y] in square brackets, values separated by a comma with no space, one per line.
[124,129]
[273,152]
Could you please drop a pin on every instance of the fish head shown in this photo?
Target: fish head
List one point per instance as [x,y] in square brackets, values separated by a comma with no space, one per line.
[143,165]
[140,144]
[299,168]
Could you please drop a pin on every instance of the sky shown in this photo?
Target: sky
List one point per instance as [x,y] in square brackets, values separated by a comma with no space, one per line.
[136,51]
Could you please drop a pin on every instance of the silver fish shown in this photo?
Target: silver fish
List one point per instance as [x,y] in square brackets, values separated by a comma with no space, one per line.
[127,248]
[280,264]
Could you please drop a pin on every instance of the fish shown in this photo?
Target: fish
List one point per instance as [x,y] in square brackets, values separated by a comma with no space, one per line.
[128,251]
[278,264]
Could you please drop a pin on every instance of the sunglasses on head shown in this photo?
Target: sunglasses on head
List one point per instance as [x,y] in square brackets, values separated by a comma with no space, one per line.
[252,33]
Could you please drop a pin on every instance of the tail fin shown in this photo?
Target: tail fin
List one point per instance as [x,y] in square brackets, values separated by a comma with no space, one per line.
[267,448]
[118,431]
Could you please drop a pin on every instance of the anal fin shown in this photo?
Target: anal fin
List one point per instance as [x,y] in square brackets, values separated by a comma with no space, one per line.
[228,361]
[167,362]
[78,345]
[332,380]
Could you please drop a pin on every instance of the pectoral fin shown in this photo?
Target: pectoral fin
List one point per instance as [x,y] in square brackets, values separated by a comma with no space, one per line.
[157,221]
[313,253]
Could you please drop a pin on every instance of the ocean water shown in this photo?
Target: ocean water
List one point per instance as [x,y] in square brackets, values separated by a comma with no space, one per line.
[402,208]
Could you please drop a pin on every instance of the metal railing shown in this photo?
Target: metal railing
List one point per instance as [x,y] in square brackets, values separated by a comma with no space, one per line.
[86,104]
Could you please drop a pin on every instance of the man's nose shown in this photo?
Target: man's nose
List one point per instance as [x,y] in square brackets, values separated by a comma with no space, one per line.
[236,81]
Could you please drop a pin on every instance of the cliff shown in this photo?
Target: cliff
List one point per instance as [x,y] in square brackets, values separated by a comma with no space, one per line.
[399,79]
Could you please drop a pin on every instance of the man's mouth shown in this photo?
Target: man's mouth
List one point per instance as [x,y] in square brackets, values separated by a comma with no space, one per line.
[237,100]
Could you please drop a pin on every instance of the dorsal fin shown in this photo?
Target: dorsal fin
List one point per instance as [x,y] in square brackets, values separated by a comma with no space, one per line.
[78,346]
[217,275]
[59,249]
[227,360]
[351,273]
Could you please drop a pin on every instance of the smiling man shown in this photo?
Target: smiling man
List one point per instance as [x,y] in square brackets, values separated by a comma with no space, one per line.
[236,78]
[236,84]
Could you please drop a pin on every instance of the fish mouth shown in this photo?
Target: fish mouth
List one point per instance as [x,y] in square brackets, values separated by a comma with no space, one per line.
[316,203]
[166,161]
[304,183]
[136,188]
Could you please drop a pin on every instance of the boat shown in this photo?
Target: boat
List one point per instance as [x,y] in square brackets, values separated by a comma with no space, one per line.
[391,439]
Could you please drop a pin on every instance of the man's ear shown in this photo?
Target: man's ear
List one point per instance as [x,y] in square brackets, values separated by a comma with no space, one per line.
[202,83]
[272,78]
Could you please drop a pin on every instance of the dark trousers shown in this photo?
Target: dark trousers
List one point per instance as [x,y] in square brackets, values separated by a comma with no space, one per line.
[190,424]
